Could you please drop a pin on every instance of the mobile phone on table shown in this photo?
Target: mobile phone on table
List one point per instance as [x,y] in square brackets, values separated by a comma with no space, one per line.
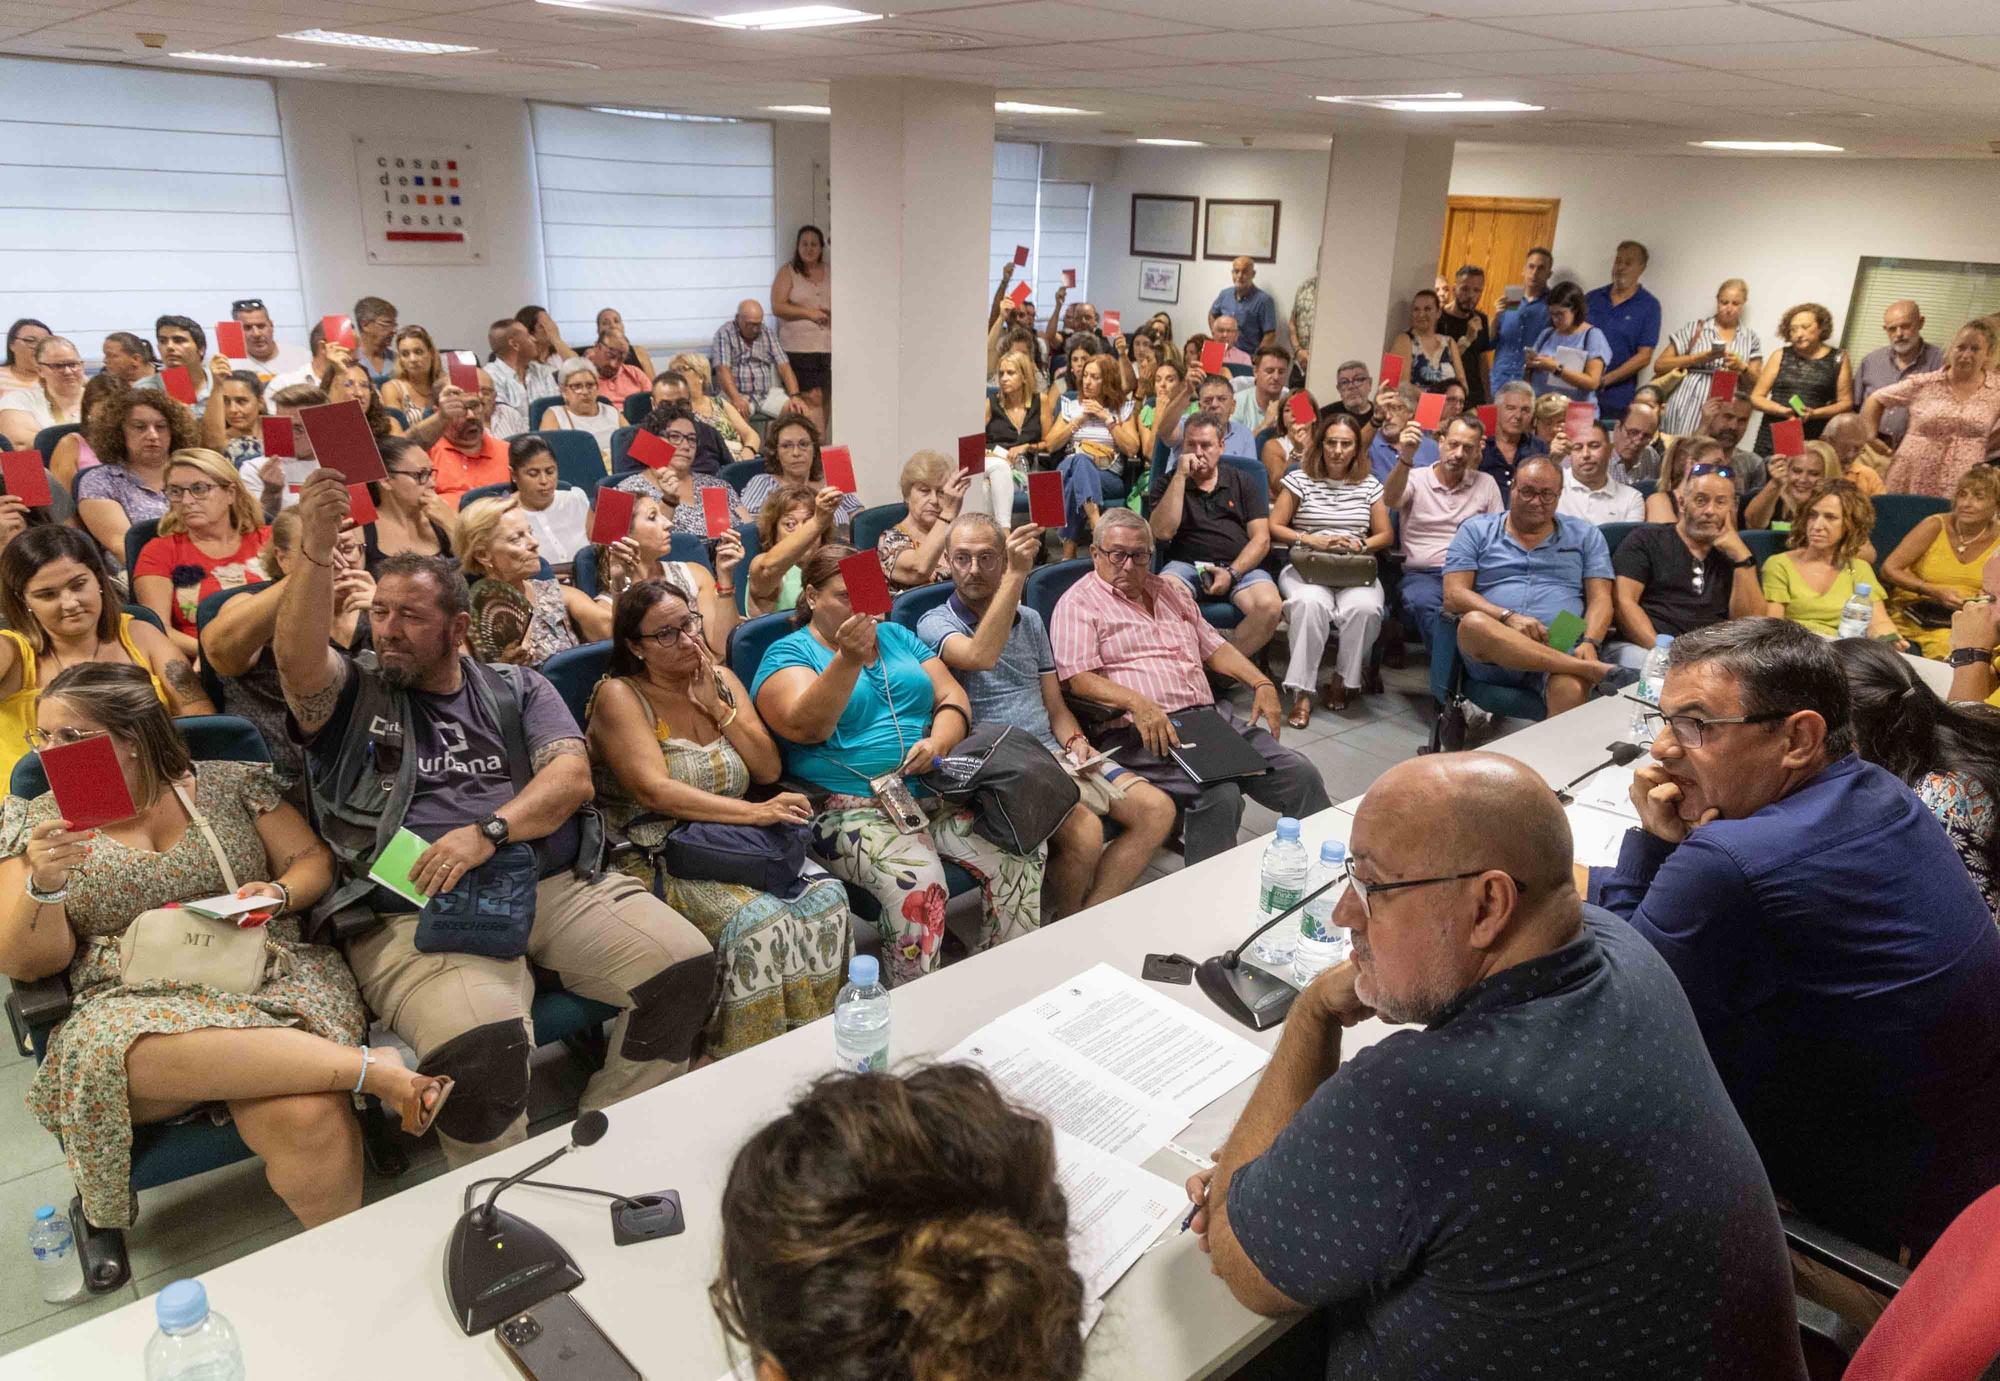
[557,1340]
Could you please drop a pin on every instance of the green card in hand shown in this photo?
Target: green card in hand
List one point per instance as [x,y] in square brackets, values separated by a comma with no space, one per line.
[392,868]
[1564,631]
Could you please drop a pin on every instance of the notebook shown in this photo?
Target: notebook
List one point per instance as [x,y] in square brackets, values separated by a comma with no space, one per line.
[1211,750]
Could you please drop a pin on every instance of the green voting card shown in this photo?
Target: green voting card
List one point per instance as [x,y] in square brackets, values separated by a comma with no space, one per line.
[392,867]
[1564,631]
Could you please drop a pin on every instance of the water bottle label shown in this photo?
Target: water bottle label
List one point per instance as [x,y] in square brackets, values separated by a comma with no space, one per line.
[1275,898]
[1317,929]
[875,1062]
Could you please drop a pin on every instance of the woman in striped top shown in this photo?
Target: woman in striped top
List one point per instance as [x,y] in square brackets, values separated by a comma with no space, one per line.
[1330,503]
[1705,347]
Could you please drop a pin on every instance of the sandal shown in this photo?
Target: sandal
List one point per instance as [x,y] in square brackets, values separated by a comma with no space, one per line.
[415,1115]
[1302,712]
[1334,695]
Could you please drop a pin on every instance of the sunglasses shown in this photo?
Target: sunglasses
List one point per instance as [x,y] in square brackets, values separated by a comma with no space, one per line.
[1709,467]
[248,304]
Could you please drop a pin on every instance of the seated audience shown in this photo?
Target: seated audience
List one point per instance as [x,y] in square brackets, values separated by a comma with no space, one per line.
[208,541]
[127,358]
[1811,582]
[1635,454]
[1354,386]
[282,1059]
[1395,405]
[1019,415]
[73,454]
[1939,565]
[1430,358]
[1216,398]
[1805,368]
[233,424]
[1954,415]
[710,454]
[182,343]
[1229,332]
[618,377]
[1589,491]
[1290,440]
[1857,447]
[611,323]
[674,738]
[418,380]
[1551,409]
[466,455]
[1257,405]
[999,650]
[1840,960]
[1728,421]
[1518,998]
[581,410]
[263,355]
[716,413]
[16,518]
[1330,504]
[411,518]
[644,554]
[308,369]
[54,399]
[1435,501]
[1675,578]
[1948,754]
[1135,641]
[1097,426]
[1212,521]
[132,434]
[470,781]
[1514,436]
[1167,378]
[922,1234]
[502,419]
[375,336]
[18,369]
[347,380]
[791,459]
[793,524]
[520,374]
[1703,348]
[1663,505]
[1790,481]
[1508,576]
[1570,357]
[933,489]
[559,517]
[677,487]
[518,615]
[853,699]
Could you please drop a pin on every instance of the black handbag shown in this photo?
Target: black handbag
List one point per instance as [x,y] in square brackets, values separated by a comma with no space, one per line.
[1018,792]
[770,858]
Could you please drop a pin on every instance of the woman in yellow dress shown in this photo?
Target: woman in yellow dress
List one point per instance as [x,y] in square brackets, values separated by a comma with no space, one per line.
[1940,562]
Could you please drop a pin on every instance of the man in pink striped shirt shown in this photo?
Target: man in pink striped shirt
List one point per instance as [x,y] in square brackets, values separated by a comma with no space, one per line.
[1134,640]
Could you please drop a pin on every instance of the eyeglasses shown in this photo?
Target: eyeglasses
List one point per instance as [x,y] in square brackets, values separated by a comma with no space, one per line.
[679,438]
[1709,467]
[248,304]
[1118,556]
[64,365]
[198,491]
[1363,888]
[63,737]
[975,560]
[1537,495]
[800,447]
[1689,729]
[672,633]
[423,476]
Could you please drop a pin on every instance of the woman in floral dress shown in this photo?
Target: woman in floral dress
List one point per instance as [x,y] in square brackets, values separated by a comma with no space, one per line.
[283,1059]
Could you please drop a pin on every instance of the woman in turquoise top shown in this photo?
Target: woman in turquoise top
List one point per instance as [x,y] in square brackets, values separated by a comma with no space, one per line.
[1811,582]
[852,699]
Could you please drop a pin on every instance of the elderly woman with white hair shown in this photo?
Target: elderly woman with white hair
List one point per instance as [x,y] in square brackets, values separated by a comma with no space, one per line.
[581,410]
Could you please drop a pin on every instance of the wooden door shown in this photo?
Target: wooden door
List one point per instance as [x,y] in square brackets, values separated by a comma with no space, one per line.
[1496,233]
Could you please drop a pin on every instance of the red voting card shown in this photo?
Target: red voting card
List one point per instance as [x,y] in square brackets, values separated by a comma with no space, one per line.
[1489,418]
[27,479]
[279,441]
[229,340]
[1430,411]
[339,330]
[1211,357]
[1302,409]
[464,372]
[1111,324]
[89,786]
[1723,387]
[612,518]
[651,449]
[1788,438]
[1577,418]
[715,511]
[1392,371]
[360,508]
[1045,498]
[1020,256]
[341,439]
[972,454]
[1018,293]
[867,586]
[837,464]
[1069,278]
[179,384]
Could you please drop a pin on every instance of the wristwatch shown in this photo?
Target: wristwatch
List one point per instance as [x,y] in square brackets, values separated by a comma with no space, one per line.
[1744,564]
[495,830]
[1969,656]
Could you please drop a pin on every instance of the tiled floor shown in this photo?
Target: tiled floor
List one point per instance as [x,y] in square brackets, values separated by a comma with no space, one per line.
[198,1224]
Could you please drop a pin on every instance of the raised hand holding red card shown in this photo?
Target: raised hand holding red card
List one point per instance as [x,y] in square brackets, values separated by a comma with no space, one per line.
[1722,387]
[1489,417]
[1069,278]
[341,439]
[1211,357]
[1045,498]
[715,513]
[360,508]
[229,340]
[1577,419]
[88,783]
[1111,324]
[867,586]
[26,477]
[179,384]
[338,330]
[280,443]
[1392,371]
[1302,409]
[972,454]
[1020,256]
[1430,411]
[650,449]
[611,519]
[837,464]
[1018,293]
[463,369]
[1788,438]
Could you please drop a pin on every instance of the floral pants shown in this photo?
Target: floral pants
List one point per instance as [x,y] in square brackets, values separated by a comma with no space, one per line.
[905,875]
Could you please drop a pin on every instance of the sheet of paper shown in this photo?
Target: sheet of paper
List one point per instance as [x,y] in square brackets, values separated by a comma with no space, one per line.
[229,905]
[1074,1095]
[1595,836]
[1115,1211]
[1609,791]
[1570,358]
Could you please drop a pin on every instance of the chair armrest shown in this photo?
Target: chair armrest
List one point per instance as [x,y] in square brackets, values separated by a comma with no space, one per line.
[1825,1335]
[1851,1259]
[36,1007]
[1091,714]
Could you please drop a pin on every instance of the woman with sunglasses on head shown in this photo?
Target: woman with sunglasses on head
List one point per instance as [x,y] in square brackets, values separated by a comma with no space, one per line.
[208,542]
[674,738]
[410,517]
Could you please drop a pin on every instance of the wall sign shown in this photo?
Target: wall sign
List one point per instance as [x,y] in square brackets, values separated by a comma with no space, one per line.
[420,202]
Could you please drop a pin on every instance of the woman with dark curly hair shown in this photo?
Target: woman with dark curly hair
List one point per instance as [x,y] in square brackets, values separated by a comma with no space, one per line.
[132,434]
[901,1228]
[1806,369]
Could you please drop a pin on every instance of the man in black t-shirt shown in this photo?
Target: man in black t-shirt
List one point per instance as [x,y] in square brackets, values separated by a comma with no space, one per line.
[1675,578]
[1544,1175]
[1214,522]
[1462,320]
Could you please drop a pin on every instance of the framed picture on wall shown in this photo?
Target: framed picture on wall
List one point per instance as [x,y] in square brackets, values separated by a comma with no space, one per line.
[1159,281]
[1164,226]
[1238,228]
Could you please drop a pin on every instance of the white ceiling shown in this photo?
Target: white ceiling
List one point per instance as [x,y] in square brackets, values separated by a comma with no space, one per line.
[1905,78]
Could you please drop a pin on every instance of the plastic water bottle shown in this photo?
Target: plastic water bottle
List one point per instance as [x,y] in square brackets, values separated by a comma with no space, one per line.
[1653,675]
[57,1265]
[1322,944]
[1281,881]
[861,1018]
[1858,613]
[194,1343]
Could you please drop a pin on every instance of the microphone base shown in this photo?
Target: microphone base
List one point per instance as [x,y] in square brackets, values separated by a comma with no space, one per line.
[1246,993]
[496,1268]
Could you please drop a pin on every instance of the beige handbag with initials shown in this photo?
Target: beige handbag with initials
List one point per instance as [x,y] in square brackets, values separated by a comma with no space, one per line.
[170,944]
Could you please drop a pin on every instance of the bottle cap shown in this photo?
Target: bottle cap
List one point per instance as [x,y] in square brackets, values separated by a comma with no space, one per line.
[1288,828]
[863,969]
[45,1212]
[1663,640]
[1333,851]
[1864,590]
[181,1305]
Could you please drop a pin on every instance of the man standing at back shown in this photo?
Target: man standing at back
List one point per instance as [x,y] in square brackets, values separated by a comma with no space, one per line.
[1465,323]
[1544,1178]
[1840,961]
[1255,313]
[1629,316]
[1906,353]
[1523,318]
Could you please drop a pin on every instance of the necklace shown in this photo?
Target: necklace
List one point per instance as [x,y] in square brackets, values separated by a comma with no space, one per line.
[1961,545]
[96,646]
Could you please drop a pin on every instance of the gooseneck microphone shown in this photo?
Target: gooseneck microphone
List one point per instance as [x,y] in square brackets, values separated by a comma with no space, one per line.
[587,1130]
[1252,996]
[1621,754]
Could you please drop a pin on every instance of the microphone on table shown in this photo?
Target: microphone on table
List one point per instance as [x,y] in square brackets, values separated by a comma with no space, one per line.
[1621,754]
[498,1264]
[1257,999]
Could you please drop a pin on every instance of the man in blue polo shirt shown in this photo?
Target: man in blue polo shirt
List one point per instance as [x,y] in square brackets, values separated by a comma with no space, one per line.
[1509,575]
[1522,319]
[1255,312]
[1840,961]
[1629,316]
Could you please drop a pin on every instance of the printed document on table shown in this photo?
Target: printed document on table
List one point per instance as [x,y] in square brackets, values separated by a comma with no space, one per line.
[1599,816]
[1609,791]
[1075,1095]
[1115,1211]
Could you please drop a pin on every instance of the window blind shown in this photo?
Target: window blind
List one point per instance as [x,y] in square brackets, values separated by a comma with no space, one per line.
[127,193]
[1950,294]
[1051,218]
[670,222]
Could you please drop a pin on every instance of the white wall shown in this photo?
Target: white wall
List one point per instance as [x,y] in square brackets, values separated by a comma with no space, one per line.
[802,162]
[1297,180]
[1793,228]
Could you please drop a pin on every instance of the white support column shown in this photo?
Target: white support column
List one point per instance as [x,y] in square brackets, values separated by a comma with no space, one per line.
[912,194]
[1384,220]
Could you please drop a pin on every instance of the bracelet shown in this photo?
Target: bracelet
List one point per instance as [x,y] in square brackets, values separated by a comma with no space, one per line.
[288,894]
[725,589]
[727,719]
[55,898]
[314,559]
[955,710]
